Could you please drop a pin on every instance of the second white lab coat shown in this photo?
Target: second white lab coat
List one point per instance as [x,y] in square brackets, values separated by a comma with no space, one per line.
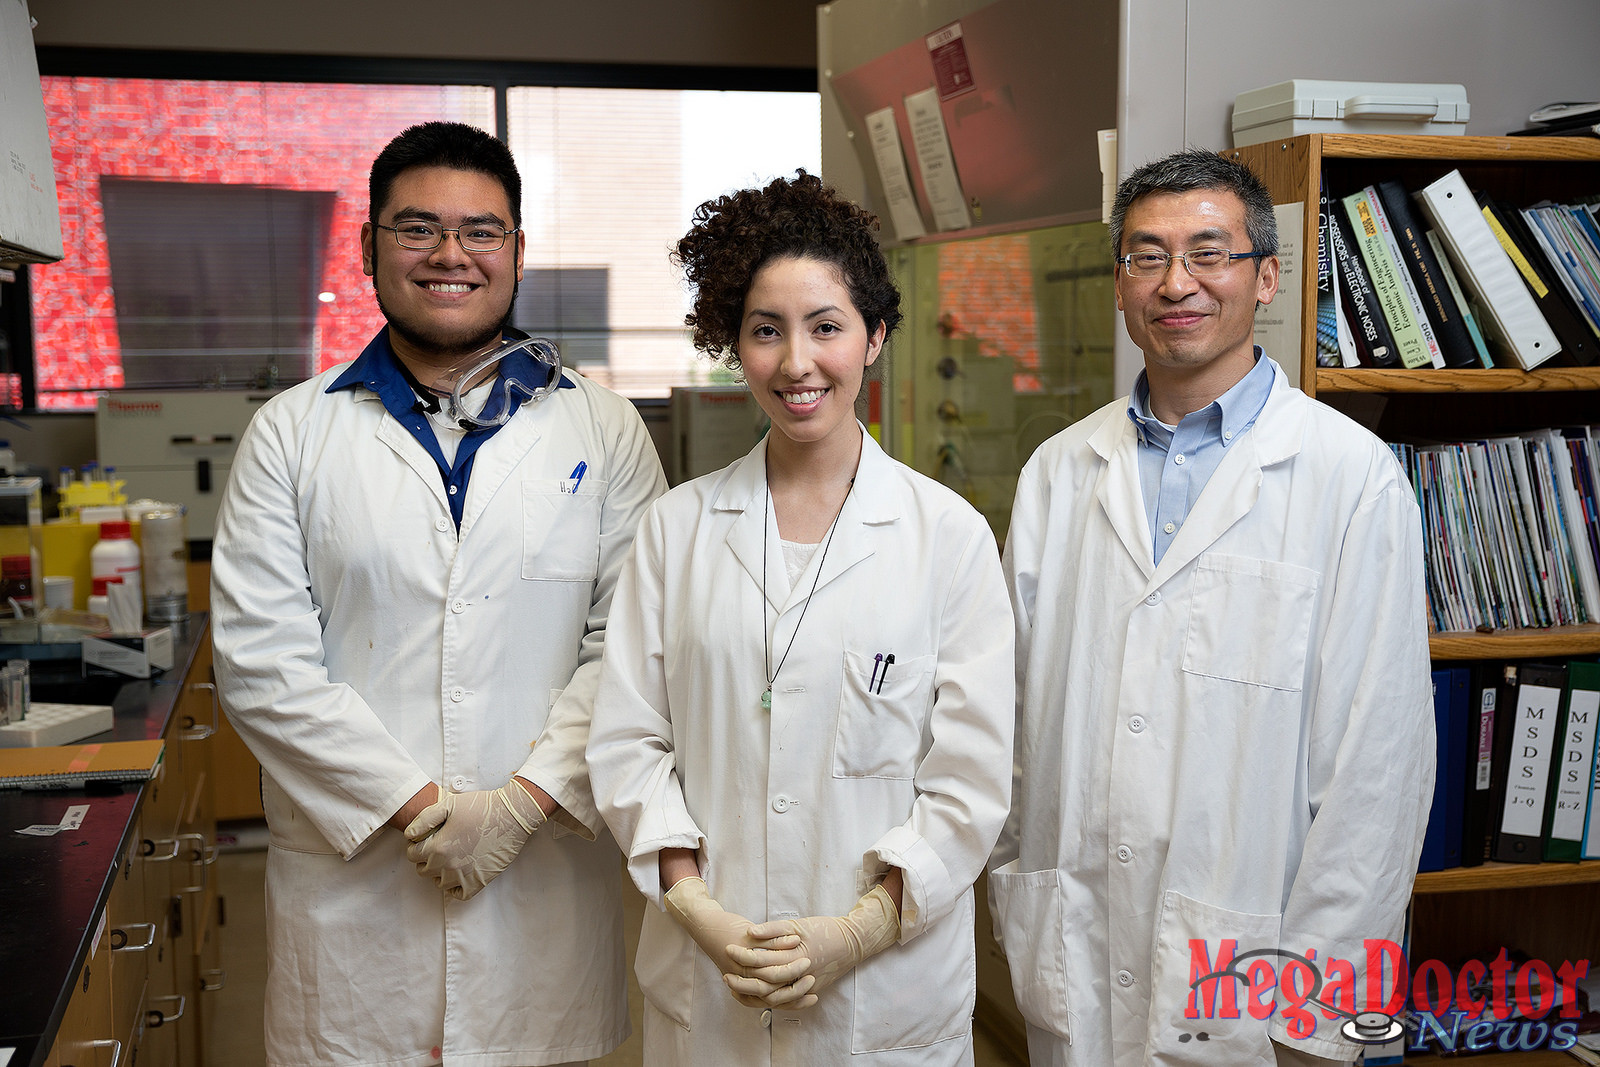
[1235,744]
[799,810]
[365,647]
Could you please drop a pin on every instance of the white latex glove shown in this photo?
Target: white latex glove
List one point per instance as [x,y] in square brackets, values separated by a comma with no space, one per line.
[718,931]
[464,840]
[1289,1056]
[831,948]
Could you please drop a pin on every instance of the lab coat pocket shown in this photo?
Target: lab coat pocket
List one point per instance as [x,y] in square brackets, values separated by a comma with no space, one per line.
[1250,621]
[1217,1027]
[665,965]
[921,992]
[881,719]
[561,529]
[1027,909]
[287,826]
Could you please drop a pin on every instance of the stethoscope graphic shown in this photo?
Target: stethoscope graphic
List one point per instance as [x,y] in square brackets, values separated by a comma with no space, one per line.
[1363,1027]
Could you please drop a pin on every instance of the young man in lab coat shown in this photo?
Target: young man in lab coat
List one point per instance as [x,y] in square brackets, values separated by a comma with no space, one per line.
[410,598]
[1224,737]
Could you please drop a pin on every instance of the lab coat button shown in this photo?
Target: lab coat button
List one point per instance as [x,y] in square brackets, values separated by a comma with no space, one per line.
[442,525]
[766,1018]
[458,695]
[1124,978]
[1124,853]
[458,606]
[780,804]
[1136,724]
[458,783]
[1153,599]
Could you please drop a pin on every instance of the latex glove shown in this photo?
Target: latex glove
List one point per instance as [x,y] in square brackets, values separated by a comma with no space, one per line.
[464,840]
[718,931]
[832,947]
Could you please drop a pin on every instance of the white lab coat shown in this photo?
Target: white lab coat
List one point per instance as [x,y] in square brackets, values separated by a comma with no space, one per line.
[1235,744]
[363,649]
[798,811]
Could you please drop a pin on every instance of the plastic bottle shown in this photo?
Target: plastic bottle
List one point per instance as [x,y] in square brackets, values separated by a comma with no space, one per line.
[116,556]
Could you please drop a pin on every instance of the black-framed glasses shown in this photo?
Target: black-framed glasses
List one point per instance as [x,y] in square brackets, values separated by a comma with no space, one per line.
[1197,261]
[417,235]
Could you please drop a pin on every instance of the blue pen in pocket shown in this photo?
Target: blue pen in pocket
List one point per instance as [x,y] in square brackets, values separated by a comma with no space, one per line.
[576,477]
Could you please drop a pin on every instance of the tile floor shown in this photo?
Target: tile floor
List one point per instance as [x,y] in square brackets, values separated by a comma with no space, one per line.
[233,1020]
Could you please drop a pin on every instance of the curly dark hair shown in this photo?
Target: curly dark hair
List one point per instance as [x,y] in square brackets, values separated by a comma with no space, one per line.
[734,236]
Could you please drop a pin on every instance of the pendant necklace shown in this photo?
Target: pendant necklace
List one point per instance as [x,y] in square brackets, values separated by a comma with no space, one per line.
[766,649]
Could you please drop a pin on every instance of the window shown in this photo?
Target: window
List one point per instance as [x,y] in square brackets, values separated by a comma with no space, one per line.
[212,227]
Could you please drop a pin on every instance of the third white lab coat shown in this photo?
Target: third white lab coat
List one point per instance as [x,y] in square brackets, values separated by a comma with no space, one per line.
[366,647]
[1235,744]
[799,810]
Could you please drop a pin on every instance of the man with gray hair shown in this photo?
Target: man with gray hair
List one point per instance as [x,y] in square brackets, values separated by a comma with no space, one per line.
[1225,746]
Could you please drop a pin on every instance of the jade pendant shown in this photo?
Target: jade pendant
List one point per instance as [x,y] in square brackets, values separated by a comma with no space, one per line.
[766,699]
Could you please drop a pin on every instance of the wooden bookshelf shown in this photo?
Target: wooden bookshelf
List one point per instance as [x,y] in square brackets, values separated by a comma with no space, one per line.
[1507,876]
[1557,642]
[1472,380]
[1548,910]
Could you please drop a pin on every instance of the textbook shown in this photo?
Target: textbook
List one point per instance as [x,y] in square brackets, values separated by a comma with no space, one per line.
[1438,303]
[73,766]
[1387,281]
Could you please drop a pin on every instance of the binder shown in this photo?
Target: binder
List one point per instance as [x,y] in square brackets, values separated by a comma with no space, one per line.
[1570,767]
[1556,302]
[1483,698]
[1441,843]
[74,766]
[1510,315]
[1583,681]
[1530,742]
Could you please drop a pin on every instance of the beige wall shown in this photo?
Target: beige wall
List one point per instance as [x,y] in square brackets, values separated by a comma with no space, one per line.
[776,33]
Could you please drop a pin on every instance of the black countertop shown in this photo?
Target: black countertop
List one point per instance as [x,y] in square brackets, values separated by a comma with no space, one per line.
[53,890]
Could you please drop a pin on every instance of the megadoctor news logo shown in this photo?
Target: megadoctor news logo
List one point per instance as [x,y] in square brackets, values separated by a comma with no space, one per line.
[1501,1004]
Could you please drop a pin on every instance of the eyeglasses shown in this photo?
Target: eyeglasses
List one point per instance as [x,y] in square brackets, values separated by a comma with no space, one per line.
[1199,262]
[420,236]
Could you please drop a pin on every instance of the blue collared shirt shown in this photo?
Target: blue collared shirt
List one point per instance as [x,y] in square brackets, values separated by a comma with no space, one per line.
[1175,462]
[378,368]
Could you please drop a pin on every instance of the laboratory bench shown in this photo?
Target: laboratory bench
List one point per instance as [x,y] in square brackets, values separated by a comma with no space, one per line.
[108,932]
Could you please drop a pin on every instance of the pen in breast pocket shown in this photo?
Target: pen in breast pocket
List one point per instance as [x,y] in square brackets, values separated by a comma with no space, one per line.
[576,477]
[888,661]
[877,661]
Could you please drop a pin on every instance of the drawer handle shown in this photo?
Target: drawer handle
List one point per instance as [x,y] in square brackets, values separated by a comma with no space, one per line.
[148,849]
[191,732]
[111,1043]
[119,938]
[155,1018]
[211,981]
[198,858]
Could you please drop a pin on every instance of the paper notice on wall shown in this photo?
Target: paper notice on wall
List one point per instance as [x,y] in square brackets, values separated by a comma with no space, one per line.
[952,71]
[891,159]
[1278,325]
[939,179]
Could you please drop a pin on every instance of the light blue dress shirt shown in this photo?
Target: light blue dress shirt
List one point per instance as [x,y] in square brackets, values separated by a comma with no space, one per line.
[1175,462]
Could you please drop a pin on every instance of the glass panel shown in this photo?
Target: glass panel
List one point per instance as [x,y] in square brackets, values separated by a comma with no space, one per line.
[1006,341]
[314,138]
[611,178]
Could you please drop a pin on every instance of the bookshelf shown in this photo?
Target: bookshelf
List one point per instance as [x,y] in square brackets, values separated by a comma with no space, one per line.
[1548,910]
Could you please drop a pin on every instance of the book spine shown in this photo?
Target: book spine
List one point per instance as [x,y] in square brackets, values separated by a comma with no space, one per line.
[1453,283]
[1386,282]
[1328,349]
[1437,301]
[1366,319]
[1413,299]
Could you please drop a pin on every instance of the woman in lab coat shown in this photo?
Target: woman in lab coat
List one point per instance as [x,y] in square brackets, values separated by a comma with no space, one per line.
[802,737]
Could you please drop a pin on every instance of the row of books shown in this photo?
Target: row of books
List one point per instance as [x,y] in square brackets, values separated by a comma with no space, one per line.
[1518,779]
[1511,528]
[1444,277]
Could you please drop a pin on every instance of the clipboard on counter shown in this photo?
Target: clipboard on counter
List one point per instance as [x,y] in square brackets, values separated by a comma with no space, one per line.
[75,766]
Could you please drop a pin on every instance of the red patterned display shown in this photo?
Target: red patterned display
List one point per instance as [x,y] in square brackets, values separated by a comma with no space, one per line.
[287,135]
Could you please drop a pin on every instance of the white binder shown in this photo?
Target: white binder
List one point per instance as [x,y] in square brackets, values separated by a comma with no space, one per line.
[1512,317]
